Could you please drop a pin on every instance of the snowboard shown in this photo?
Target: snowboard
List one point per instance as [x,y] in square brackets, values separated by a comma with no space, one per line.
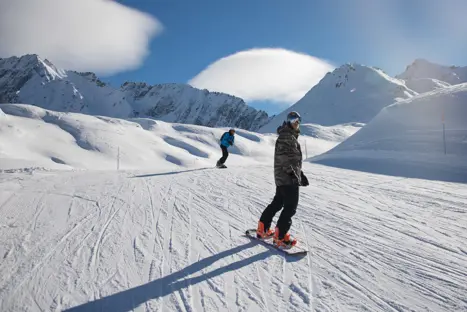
[293,251]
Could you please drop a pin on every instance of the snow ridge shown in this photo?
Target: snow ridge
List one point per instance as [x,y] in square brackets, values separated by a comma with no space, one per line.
[174,102]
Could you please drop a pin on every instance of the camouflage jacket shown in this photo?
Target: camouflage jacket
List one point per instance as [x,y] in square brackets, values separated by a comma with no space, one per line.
[287,157]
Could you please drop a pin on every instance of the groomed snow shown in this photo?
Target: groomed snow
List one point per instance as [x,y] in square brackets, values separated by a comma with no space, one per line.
[406,139]
[145,241]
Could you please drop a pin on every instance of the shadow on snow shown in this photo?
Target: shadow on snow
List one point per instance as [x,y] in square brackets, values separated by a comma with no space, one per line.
[169,173]
[128,300]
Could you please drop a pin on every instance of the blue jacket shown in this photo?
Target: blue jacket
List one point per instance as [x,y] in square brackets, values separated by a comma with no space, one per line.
[227,139]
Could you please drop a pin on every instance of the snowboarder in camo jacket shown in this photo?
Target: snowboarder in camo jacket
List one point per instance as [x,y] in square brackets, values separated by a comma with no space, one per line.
[288,176]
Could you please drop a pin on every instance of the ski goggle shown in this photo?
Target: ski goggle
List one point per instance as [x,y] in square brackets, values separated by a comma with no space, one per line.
[295,120]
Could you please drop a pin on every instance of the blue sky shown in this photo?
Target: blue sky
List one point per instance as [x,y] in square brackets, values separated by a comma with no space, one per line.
[197,33]
[209,42]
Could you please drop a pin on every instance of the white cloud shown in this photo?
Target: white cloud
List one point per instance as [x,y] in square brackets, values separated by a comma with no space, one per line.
[87,35]
[275,75]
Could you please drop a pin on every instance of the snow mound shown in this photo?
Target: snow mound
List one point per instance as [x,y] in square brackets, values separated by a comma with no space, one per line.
[248,135]
[406,139]
[336,133]
[31,136]
[351,93]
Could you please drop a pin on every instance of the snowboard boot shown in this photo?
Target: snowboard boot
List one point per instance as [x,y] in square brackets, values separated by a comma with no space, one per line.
[219,165]
[261,233]
[286,242]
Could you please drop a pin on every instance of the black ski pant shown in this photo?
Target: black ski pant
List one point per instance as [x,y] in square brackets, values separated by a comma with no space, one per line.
[225,154]
[286,197]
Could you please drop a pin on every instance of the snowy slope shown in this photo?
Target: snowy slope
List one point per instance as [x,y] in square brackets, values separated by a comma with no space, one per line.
[351,93]
[406,139]
[421,74]
[146,241]
[36,138]
[29,79]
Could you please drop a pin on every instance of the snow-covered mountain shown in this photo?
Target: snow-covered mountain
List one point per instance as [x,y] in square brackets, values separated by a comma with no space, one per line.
[29,79]
[406,139]
[181,103]
[424,76]
[351,93]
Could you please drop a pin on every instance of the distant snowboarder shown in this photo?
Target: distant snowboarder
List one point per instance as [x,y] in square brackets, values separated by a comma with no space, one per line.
[288,176]
[227,140]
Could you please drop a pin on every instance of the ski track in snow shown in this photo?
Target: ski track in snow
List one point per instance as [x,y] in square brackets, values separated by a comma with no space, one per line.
[92,241]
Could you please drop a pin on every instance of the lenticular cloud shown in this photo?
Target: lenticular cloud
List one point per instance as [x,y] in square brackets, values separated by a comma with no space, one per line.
[96,35]
[276,75]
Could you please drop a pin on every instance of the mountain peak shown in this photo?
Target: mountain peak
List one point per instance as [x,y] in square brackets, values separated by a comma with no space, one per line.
[352,73]
[351,93]
[16,72]
[422,61]
[24,61]
[422,69]
[419,62]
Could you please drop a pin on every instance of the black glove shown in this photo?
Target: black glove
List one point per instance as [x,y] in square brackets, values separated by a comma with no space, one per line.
[304,179]
[294,179]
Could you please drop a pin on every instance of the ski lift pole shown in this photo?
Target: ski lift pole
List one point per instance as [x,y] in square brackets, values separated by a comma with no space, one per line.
[444,133]
[118,158]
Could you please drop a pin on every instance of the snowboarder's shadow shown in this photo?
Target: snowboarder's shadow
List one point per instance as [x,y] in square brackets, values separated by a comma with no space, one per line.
[128,300]
[169,173]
